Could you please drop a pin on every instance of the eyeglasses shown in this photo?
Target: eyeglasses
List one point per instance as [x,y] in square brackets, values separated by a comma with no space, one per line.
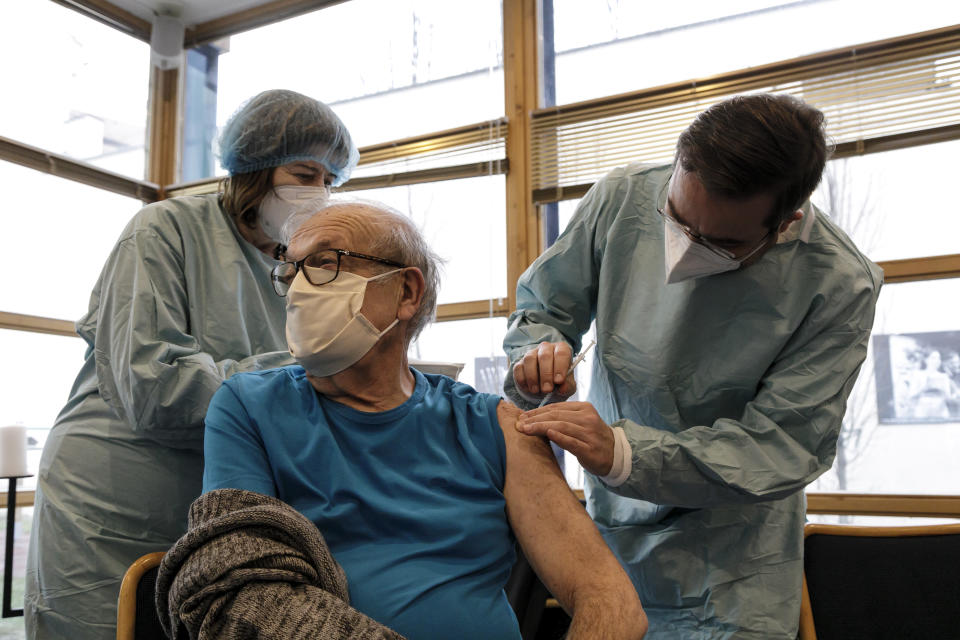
[318,268]
[697,238]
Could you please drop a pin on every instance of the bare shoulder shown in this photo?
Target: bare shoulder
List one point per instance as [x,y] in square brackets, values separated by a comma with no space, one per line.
[507,414]
[521,448]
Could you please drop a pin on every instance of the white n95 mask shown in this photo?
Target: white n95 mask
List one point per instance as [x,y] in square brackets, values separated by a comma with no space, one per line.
[686,259]
[326,332]
[284,201]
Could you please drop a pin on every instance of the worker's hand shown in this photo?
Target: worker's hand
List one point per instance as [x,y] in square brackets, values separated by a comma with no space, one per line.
[575,427]
[544,368]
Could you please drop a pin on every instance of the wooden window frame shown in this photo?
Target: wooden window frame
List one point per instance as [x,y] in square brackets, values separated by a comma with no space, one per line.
[523,241]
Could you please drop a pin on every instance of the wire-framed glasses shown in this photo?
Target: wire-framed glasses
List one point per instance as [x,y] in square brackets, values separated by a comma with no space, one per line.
[318,268]
[697,238]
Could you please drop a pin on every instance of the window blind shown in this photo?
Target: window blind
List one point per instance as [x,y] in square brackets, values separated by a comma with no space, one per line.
[877,96]
[469,151]
[465,152]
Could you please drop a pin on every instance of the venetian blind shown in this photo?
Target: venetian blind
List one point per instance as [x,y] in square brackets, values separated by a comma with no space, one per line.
[877,96]
[465,152]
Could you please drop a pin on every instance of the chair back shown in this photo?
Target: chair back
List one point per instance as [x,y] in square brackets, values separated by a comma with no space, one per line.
[880,582]
[526,595]
[136,611]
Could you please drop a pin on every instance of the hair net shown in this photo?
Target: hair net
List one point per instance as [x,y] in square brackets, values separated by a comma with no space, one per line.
[279,126]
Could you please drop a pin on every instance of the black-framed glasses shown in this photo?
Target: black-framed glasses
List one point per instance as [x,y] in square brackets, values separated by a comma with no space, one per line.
[697,238]
[318,268]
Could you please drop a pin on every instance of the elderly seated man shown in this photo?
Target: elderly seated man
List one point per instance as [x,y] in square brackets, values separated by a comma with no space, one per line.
[417,483]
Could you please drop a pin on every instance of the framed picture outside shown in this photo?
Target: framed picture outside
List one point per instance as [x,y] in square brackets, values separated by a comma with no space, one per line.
[918,377]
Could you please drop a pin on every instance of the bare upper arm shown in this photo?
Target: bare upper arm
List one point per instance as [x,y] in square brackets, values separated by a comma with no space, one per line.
[558,537]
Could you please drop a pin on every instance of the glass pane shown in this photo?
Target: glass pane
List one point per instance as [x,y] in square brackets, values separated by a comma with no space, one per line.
[65,231]
[38,374]
[605,47]
[877,521]
[477,344]
[565,211]
[12,628]
[877,199]
[465,222]
[74,86]
[901,433]
[420,66]
[893,204]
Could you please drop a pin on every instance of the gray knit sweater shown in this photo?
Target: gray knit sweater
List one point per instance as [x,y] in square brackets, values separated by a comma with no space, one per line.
[250,566]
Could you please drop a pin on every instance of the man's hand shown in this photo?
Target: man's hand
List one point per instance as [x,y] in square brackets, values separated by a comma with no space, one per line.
[575,427]
[545,367]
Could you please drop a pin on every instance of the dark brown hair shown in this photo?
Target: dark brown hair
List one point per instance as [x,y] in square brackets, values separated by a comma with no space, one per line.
[241,193]
[753,144]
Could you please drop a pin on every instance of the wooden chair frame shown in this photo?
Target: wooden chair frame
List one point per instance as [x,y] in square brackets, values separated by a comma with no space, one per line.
[807,630]
[127,602]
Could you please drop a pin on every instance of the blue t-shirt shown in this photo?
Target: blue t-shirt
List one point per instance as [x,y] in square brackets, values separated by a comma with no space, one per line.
[410,500]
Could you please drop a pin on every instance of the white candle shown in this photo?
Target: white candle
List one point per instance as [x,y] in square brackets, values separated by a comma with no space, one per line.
[13,451]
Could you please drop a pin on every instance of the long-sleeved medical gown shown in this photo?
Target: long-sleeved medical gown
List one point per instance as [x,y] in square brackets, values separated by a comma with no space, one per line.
[730,388]
[182,303]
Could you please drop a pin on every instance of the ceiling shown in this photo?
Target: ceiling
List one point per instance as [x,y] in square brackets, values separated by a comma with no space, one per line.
[191,12]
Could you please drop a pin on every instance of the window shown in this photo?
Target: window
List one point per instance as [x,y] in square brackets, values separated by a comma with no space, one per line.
[429,124]
[38,374]
[421,66]
[59,235]
[477,344]
[901,432]
[606,47]
[876,96]
[12,628]
[463,221]
[894,205]
[74,86]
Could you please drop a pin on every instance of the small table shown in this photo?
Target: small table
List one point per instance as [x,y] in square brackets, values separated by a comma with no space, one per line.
[8,612]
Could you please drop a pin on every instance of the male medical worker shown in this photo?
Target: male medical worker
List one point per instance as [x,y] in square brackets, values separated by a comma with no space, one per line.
[732,317]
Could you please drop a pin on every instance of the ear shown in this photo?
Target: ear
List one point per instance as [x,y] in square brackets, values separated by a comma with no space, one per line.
[412,289]
[796,215]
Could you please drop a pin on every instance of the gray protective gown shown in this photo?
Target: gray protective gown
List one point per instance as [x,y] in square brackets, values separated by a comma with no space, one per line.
[730,388]
[182,303]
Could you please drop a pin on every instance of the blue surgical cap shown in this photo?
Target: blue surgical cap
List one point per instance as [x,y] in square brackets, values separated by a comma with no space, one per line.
[279,126]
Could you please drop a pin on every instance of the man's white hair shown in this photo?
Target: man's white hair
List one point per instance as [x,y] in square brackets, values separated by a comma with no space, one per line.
[402,241]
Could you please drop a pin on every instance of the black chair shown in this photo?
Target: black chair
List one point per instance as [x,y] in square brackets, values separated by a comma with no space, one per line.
[136,612]
[539,615]
[881,582]
[527,596]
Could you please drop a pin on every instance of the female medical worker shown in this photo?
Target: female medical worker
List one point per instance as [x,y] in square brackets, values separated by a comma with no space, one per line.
[183,302]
